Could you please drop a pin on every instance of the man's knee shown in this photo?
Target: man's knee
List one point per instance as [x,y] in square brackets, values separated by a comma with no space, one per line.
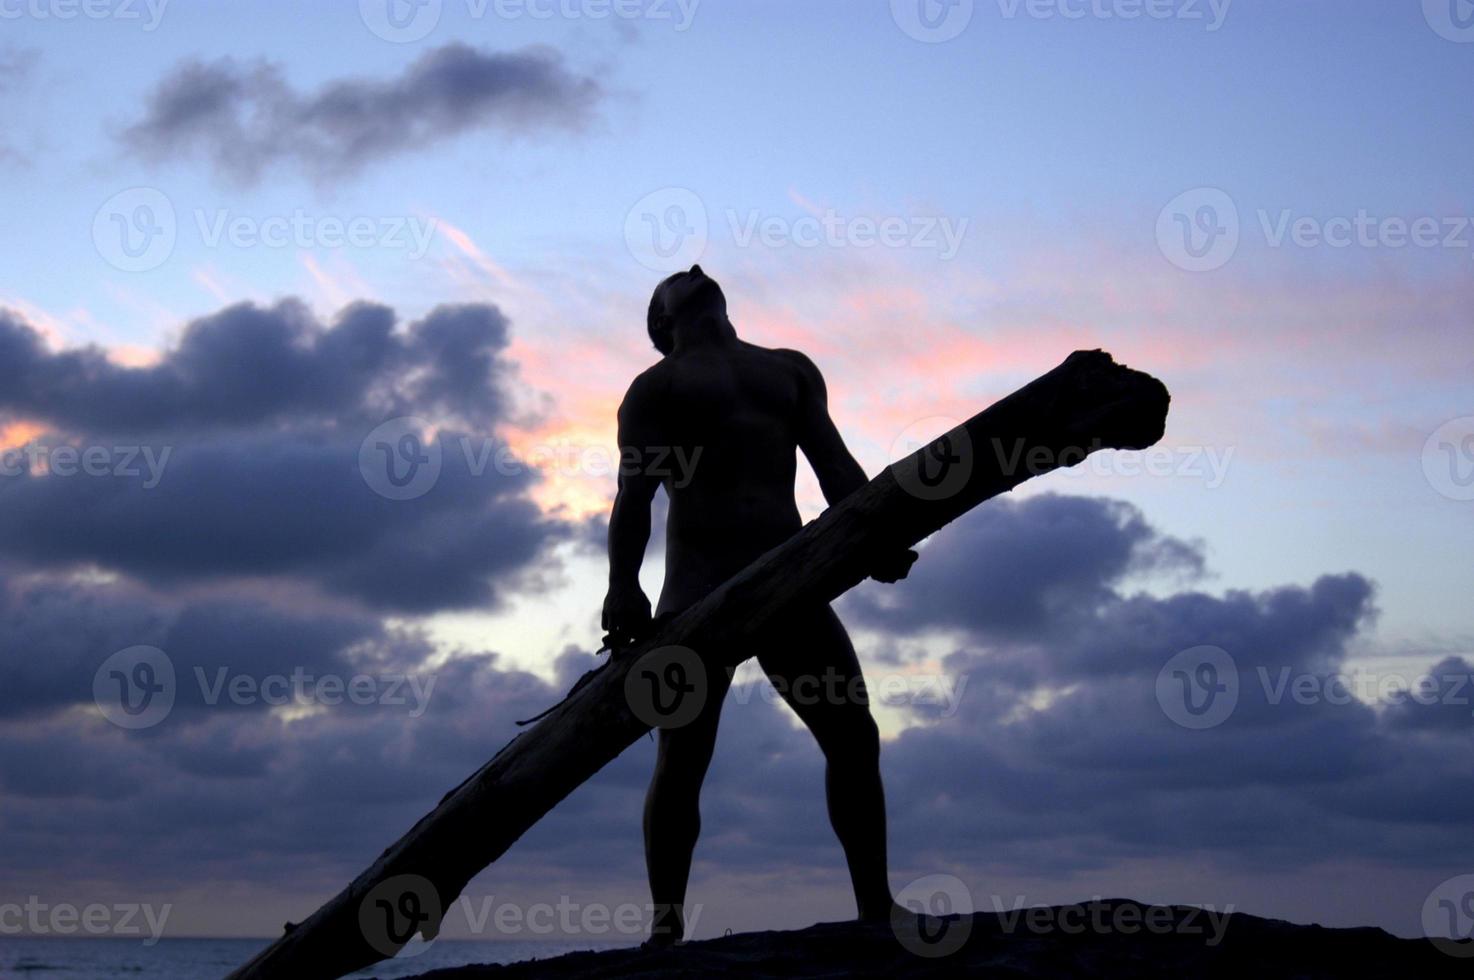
[852,738]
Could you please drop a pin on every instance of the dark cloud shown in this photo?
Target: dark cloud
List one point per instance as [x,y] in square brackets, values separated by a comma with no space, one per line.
[1020,568]
[273,367]
[16,66]
[1058,758]
[239,456]
[247,118]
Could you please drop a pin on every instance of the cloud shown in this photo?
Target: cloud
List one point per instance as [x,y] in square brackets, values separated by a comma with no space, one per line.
[1059,761]
[1018,568]
[245,443]
[275,366]
[247,118]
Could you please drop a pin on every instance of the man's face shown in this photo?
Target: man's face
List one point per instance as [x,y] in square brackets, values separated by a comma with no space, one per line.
[690,293]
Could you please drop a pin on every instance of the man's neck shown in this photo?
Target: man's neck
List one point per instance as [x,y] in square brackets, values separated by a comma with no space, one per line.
[711,330]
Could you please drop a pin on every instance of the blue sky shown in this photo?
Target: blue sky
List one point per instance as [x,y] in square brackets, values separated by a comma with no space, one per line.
[1055,147]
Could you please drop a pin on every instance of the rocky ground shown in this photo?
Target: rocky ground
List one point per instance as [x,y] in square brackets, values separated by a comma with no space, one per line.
[1116,939]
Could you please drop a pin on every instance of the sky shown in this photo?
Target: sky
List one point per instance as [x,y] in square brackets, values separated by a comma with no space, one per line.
[247,237]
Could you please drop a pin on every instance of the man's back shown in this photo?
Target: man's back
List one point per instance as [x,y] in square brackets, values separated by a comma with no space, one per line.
[729,418]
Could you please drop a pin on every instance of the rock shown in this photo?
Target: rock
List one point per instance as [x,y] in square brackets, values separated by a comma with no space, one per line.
[1116,939]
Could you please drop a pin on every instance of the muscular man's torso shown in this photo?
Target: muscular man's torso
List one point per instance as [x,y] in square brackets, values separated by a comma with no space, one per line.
[737,406]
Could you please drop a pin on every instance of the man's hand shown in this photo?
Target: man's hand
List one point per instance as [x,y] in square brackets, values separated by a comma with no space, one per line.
[626,616]
[894,567]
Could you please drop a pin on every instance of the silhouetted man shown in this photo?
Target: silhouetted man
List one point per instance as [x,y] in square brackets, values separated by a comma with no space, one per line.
[746,409]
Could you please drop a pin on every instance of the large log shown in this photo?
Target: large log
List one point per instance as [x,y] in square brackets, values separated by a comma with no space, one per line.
[1087,403]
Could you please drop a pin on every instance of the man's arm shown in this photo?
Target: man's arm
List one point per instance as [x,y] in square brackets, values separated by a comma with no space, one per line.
[626,607]
[839,473]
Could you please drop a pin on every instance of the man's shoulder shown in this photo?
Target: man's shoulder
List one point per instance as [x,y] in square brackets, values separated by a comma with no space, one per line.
[648,385]
[795,359]
[799,362]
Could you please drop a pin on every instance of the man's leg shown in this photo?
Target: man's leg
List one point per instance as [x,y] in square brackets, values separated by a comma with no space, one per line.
[812,662]
[673,810]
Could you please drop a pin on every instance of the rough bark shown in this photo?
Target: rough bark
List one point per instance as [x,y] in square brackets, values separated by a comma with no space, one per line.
[1086,404]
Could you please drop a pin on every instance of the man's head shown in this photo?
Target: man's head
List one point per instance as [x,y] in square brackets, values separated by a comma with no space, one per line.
[683,298]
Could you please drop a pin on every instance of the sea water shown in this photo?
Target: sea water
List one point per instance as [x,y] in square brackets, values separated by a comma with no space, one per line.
[210,959]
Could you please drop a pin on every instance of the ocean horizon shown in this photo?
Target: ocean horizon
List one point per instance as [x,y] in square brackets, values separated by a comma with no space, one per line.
[105,958]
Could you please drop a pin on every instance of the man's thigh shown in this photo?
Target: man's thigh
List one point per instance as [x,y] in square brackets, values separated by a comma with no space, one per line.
[688,748]
[810,660]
